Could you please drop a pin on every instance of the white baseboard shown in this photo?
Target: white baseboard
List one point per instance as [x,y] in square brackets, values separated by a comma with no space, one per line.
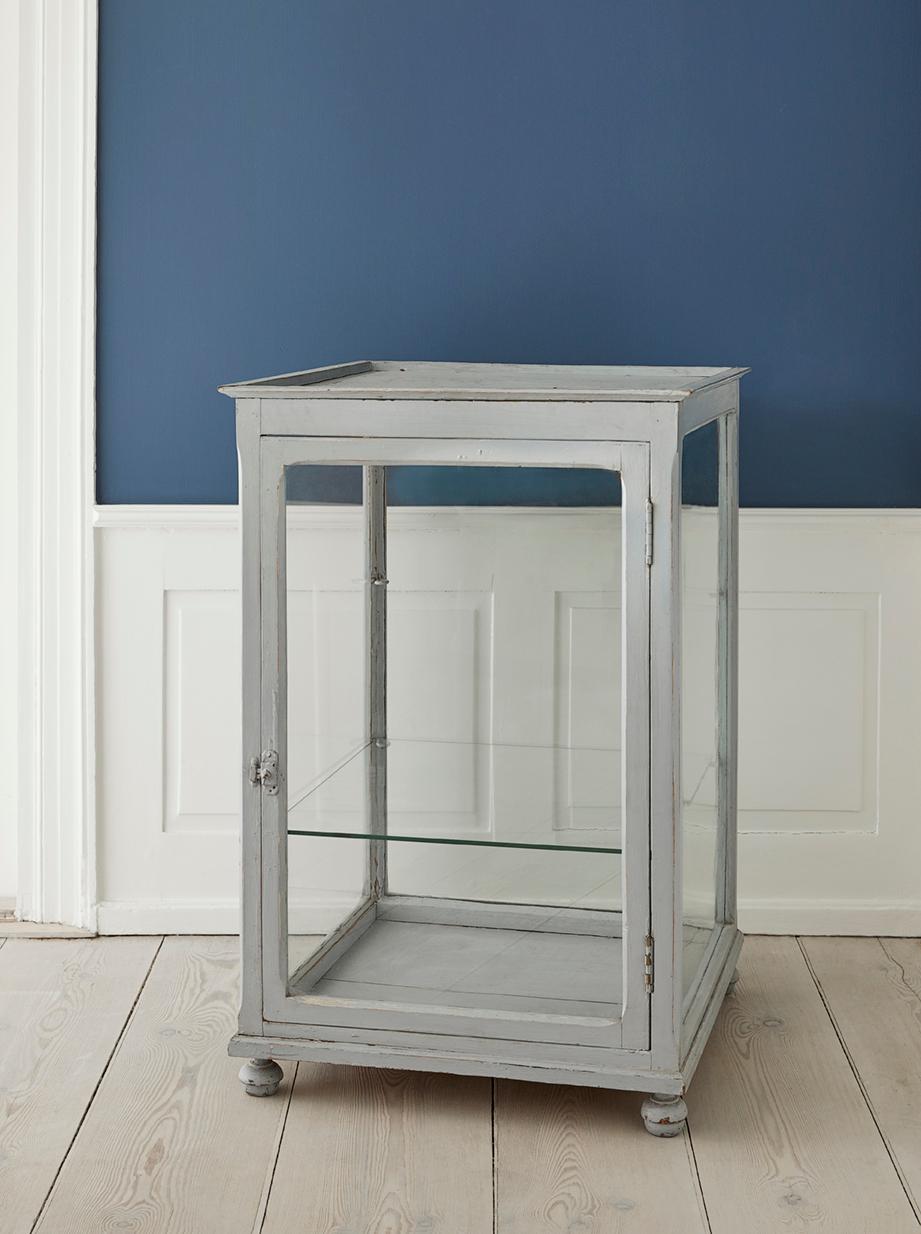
[856,917]
[177,917]
[318,916]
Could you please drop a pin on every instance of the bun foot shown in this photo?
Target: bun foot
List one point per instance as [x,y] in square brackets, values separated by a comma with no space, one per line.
[261,1077]
[664,1115]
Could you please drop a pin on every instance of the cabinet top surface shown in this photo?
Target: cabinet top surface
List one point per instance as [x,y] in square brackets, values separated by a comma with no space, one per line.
[413,379]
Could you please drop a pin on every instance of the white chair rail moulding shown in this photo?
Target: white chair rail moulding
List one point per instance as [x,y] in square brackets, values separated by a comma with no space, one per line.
[830,693]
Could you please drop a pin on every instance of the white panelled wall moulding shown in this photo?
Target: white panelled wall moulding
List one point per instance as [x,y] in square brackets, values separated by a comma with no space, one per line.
[830,694]
[51,640]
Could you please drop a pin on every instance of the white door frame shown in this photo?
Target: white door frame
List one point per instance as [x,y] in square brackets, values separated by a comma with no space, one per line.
[48,245]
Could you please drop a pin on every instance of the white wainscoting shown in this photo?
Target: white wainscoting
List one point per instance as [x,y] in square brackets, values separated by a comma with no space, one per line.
[830,773]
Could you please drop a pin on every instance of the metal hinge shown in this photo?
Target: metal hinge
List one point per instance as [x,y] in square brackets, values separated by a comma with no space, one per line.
[648,964]
[648,531]
[264,770]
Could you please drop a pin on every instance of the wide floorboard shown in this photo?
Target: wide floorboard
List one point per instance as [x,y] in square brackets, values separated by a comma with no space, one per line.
[63,1008]
[119,1110]
[782,1134]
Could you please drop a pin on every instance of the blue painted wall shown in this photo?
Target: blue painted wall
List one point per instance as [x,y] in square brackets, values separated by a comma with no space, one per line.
[285,183]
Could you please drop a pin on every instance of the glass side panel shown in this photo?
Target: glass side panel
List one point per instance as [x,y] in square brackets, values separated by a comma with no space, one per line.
[472,820]
[699,713]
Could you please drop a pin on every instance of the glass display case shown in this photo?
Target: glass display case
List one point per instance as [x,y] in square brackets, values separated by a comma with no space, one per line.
[489,721]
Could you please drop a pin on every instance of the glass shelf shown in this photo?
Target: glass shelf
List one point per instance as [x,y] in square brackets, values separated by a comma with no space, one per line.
[482,795]
[549,846]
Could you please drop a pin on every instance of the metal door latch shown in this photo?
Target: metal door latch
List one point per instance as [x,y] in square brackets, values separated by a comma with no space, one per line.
[264,770]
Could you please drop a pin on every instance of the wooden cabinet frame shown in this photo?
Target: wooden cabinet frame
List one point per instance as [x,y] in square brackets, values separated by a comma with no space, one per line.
[656,1045]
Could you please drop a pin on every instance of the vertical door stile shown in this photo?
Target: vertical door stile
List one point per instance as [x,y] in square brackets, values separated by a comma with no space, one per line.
[248,445]
[274,729]
[666,857]
[636,742]
[375,502]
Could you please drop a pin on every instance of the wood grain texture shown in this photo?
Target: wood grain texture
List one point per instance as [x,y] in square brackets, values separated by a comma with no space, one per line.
[62,1007]
[873,990]
[579,1160]
[172,1144]
[783,1138]
[384,1152]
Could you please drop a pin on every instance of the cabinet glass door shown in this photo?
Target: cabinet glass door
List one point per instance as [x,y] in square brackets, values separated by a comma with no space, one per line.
[457,689]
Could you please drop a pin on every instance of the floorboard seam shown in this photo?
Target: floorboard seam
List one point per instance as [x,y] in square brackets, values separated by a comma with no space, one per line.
[89,1105]
[857,1076]
[692,1156]
[495,1165]
[263,1209]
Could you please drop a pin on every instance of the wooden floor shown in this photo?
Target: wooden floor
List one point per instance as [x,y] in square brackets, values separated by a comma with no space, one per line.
[120,1111]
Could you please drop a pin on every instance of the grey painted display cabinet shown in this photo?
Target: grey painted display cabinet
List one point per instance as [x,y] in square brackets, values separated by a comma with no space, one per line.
[489,750]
